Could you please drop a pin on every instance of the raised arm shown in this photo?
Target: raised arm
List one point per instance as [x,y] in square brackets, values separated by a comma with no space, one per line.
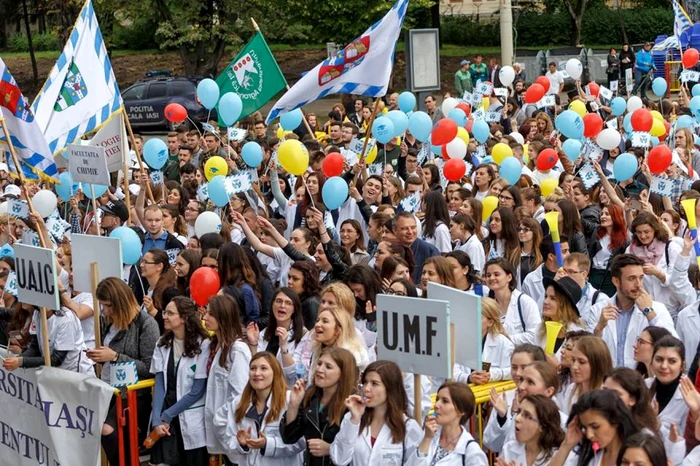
[250,236]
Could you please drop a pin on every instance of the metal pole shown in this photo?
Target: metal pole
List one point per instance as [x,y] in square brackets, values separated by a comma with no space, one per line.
[506,14]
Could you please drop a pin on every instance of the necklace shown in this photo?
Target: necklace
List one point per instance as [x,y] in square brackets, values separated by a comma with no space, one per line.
[447,444]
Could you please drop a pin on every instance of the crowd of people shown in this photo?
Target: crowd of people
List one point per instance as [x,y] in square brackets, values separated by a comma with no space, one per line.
[280,367]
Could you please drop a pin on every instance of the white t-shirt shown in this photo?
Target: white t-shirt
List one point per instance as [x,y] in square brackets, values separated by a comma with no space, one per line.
[65,334]
[555,79]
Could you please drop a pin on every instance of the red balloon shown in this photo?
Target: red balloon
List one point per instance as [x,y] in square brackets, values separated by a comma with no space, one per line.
[444,131]
[469,125]
[204,284]
[544,82]
[659,159]
[667,125]
[464,107]
[592,125]
[454,169]
[593,88]
[443,150]
[547,159]
[534,93]
[175,113]
[690,58]
[642,120]
[333,165]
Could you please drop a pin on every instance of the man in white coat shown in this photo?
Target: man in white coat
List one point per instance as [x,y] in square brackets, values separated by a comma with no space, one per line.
[621,319]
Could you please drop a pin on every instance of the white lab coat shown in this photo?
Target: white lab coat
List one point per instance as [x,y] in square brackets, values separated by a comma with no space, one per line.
[442,239]
[289,372]
[688,328]
[497,350]
[637,324]
[475,250]
[277,453]
[223,385]
[352,446]
[675,412]
[661,291]
[542,340]
[531,315]
[466,452]
[515,451]
[189,369]
[586,303]
[693,458]
[684,293]
[426,391]
[533,285]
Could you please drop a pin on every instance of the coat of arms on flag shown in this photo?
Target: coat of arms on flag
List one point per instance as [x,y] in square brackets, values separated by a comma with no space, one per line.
[73,89]
[343,61]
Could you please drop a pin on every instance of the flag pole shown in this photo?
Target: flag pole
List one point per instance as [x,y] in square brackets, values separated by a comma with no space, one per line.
[42,310]
[138,154]
[368,135]
[303,117]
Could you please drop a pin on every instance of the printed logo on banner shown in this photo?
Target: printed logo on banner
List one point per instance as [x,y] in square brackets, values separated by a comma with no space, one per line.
[252,174]
[123,374]
[467,97]
[588,175]
[689,76]
[411,203]
[57,227]
[500,92]
[236,134]
[17,208]
[662,186]
[640,139]
[238,183]
[479,114]
[357,144]
[209,128]
[345,60]
[157,177]
[375,169]
[590,149]
[11,284]
[612,123]
[350,157]
[614,86]
[493,117]
[546,101]
[481,151]
[424,153]
[484,89]
[172,255]
[606,93]
[203,192]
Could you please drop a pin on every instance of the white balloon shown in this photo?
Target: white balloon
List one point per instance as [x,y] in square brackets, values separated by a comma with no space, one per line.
[456,149]
[506,75]
[207,222]
[3,208]
[45,202]
[448,105]
[634,103]
[574,68]
[518,137]
[608,139]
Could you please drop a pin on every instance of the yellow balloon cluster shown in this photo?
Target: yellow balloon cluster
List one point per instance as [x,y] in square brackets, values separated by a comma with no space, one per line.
[293,156]
[215,166]
[548,186]
[371,154]
[281,133]
[578,107]
[490,203]
[500,152]
[657,116]
[463,134]
[657,128]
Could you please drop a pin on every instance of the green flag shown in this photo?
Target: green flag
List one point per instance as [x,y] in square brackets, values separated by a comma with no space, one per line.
[254,75]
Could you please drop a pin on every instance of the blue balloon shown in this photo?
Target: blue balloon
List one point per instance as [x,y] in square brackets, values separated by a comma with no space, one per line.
[420,125]
[481,131]
[659,86]
[208,93]
[618,106]
[155,153]
[383,129]
[407,102]
[685,121]
[230,108]
[335,191]
[291,120]
[100,189]
[625,167]
[437,150]
[252,154]
[130,243]
[627,124]
[655,141]
[510,169]
[65,189]
[217,191]
[572,148]
[400,121]
[458,116]
[696,90]
[570,124]
[695,106]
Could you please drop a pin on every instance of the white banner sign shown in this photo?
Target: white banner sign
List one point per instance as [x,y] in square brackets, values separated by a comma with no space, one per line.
[88,164]
[105,252]
[36,276]
[51,417]
[111,138]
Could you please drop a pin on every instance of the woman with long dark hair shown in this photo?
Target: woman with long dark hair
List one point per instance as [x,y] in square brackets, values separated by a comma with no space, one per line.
[365,285]
[503,240]
[644,348]
[235,272]
[303,279]
[530,236]
[436,223]
[668,365]
[464,232]
[606,242]
[632,390]
[160,276]
[352,238]
[569,226]
[465,276]
[643,448]
[186,263]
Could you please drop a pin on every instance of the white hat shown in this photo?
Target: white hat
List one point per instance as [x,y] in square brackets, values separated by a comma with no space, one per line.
[11,190]
[676,158]
[4,167]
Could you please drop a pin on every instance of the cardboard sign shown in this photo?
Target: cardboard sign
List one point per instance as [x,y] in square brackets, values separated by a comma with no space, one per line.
[88,164]
[111,138]
[157,177]
[606,93]
[37,283]
[172,255]
[411,203]
[375,169]
[237,134]
[612,123]
[614,86]
[106,252]
[662,186]
[483,89]
[628,79]
[18,209]
[500,92]
[479,114]
[588,175]
[356,146]
[350,156]
[238,183]
[689,76]
[415,334]
[123,374]
[590,149]
[640,139]
[493,117]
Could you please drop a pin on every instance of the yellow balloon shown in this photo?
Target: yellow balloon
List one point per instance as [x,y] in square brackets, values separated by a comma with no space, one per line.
[578,107]
[489,205]
[371,154]
[485,103]
[280,133]
[215,166]
[657,115]
[463,134]
[293,157]
[657,128]
[500,151]
[526,153]
[548,186]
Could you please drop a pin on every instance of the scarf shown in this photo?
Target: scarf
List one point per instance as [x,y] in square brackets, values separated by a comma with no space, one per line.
[649,254]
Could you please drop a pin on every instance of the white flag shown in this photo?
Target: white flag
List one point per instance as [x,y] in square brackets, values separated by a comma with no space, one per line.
[112,137]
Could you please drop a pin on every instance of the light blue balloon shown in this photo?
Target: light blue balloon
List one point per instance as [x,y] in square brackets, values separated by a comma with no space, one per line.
[572,148]
[625,167]
[208,93]
[420,125]
[252,154]
[100,189]
[570,124]
[481,131]
[155,153]
[458,116]
[383,129]
[695,106]
[217,191]
[655,141]
[291,120]
[400,121]
[407,102]
[230,108]
[685,121]
[696,90]
[510,169]
[130,243]
[659,86]
[627,124]
[437,150]
[618,106]
[335,191]
[65,189]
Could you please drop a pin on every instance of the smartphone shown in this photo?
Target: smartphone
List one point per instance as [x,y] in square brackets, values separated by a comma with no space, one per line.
[635,204]
[486,366]
[16,335]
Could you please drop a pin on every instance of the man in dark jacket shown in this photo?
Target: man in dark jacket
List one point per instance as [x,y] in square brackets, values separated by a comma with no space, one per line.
[406,231]
[156,237]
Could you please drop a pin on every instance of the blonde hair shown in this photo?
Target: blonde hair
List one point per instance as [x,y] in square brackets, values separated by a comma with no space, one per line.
[489,309]
[343,295]
[566,313]
[347,338]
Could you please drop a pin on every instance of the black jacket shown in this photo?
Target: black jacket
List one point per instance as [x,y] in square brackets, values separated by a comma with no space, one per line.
[171,242]
[590,219]
[594,246]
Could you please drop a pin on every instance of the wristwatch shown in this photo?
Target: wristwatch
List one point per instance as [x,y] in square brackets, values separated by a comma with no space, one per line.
[647,310]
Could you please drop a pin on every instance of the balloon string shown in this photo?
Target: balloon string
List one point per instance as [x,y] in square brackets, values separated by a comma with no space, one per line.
[303,180]
[195,126]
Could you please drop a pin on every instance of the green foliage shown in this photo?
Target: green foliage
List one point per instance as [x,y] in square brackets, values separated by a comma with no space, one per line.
[42,42]
[139,35]
[465,30]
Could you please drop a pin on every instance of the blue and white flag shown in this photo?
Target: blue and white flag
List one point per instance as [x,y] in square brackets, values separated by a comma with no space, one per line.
[363,67]
[25,134]
[681,23]
[81,93]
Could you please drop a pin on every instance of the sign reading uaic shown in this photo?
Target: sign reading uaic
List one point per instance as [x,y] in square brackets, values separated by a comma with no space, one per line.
[37,283]
[88,164]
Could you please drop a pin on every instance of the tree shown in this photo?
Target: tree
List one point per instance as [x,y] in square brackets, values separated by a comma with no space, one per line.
[35,72]
[576,8]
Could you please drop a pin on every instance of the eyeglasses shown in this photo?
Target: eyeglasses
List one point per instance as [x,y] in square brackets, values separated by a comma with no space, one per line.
[501,197]
[286,302]
[170,313]
[525,415]
[524,230]
[395,293]
[640,341]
